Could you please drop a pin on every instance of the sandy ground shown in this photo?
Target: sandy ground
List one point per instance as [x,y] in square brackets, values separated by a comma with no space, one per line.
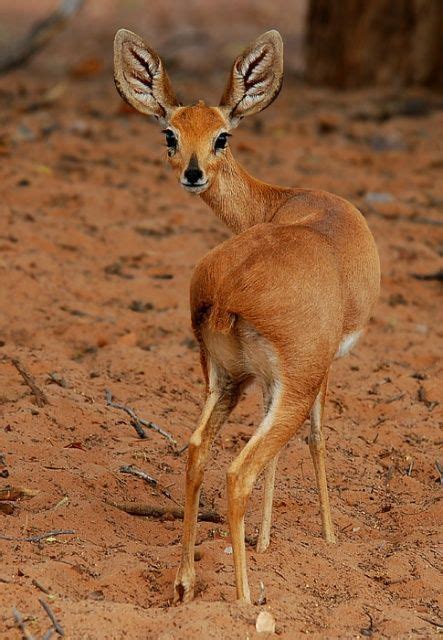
[97,247]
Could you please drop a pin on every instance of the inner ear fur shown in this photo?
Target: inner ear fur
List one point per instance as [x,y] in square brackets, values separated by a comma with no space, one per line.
[256,77]
[140,77]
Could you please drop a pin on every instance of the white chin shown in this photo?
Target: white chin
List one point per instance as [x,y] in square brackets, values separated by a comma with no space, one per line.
[196,188]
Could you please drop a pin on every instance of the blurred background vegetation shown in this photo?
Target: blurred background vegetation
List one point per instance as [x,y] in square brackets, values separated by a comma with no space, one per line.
[338,43]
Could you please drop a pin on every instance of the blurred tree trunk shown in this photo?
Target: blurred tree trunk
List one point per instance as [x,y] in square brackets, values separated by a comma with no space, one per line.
[352,43]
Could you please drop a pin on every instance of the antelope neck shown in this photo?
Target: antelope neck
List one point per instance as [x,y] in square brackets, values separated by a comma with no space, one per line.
[240,200]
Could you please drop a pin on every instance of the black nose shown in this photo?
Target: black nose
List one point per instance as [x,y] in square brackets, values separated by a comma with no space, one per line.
[193,175]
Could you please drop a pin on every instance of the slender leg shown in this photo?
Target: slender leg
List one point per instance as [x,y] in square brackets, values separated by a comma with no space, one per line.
[265,529]
[268,489]
[276,429]
[317,449]
[218,406]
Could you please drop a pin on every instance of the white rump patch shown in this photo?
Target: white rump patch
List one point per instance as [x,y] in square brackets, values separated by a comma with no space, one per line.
[347,344]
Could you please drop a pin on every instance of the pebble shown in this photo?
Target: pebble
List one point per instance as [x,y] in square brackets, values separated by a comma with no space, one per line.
[265,622]
[378,197]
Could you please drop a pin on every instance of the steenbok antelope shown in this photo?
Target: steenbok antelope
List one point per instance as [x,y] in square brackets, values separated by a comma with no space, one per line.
[275,304]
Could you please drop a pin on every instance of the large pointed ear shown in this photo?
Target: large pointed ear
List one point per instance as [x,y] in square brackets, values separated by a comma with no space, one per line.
[255,79]
[140,77]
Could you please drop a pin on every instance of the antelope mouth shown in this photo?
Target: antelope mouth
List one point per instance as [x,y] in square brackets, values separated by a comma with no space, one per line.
[194,188]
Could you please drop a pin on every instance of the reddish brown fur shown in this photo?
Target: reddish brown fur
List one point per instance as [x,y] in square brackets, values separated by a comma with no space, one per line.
[326,217]
[274,303]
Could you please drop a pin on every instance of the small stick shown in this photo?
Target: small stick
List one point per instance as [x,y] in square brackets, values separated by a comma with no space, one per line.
[42,536]
[16,493]
[262,597]
[50,632]
[368,631]
[137,422]
[279,573]
[59,629]
[439,625]
[19,621]
[439,470]
[158,512]
[183,449]
[398,396]
[409,471]
[39,35]
[437,275]
[138,473]
[38,394]
[54,377]
[39,585]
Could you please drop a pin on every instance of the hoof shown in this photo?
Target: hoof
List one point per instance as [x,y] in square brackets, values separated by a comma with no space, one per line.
[183,589]
[262,545]
[244,598]
[329,536]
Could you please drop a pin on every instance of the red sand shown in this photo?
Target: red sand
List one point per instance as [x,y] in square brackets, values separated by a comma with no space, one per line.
[92,221]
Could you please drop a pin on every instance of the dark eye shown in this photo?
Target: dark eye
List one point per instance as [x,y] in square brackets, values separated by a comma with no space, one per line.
[221,141]
[171,141]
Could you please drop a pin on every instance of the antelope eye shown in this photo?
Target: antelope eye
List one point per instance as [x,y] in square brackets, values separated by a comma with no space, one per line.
[171,140]
[221,141]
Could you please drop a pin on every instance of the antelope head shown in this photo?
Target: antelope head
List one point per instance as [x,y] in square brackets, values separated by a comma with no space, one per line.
[197,135]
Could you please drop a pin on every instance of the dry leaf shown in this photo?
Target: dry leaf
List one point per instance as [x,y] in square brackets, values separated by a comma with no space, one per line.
[74,445]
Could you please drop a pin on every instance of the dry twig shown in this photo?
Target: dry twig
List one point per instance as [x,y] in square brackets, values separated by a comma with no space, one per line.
[183,449]
[409,219]
[42,536]
[137,422]
[159,512]
[39,35]
[16,493]
[262,597]
[439,625]
[138,473]
[40,586]
[395,398]
[370,630]
[20,622]
[439,468]
[38,394]
[57,626]
[437,275]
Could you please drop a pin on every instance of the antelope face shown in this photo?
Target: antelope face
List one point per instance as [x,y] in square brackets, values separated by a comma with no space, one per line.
[196,139]
[197,136]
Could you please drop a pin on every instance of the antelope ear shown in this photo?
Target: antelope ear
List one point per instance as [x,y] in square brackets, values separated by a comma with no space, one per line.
[140,77]
[255,79]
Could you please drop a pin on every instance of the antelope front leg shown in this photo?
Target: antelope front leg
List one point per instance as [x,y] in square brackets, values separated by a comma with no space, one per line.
[317,449]
[217,408]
